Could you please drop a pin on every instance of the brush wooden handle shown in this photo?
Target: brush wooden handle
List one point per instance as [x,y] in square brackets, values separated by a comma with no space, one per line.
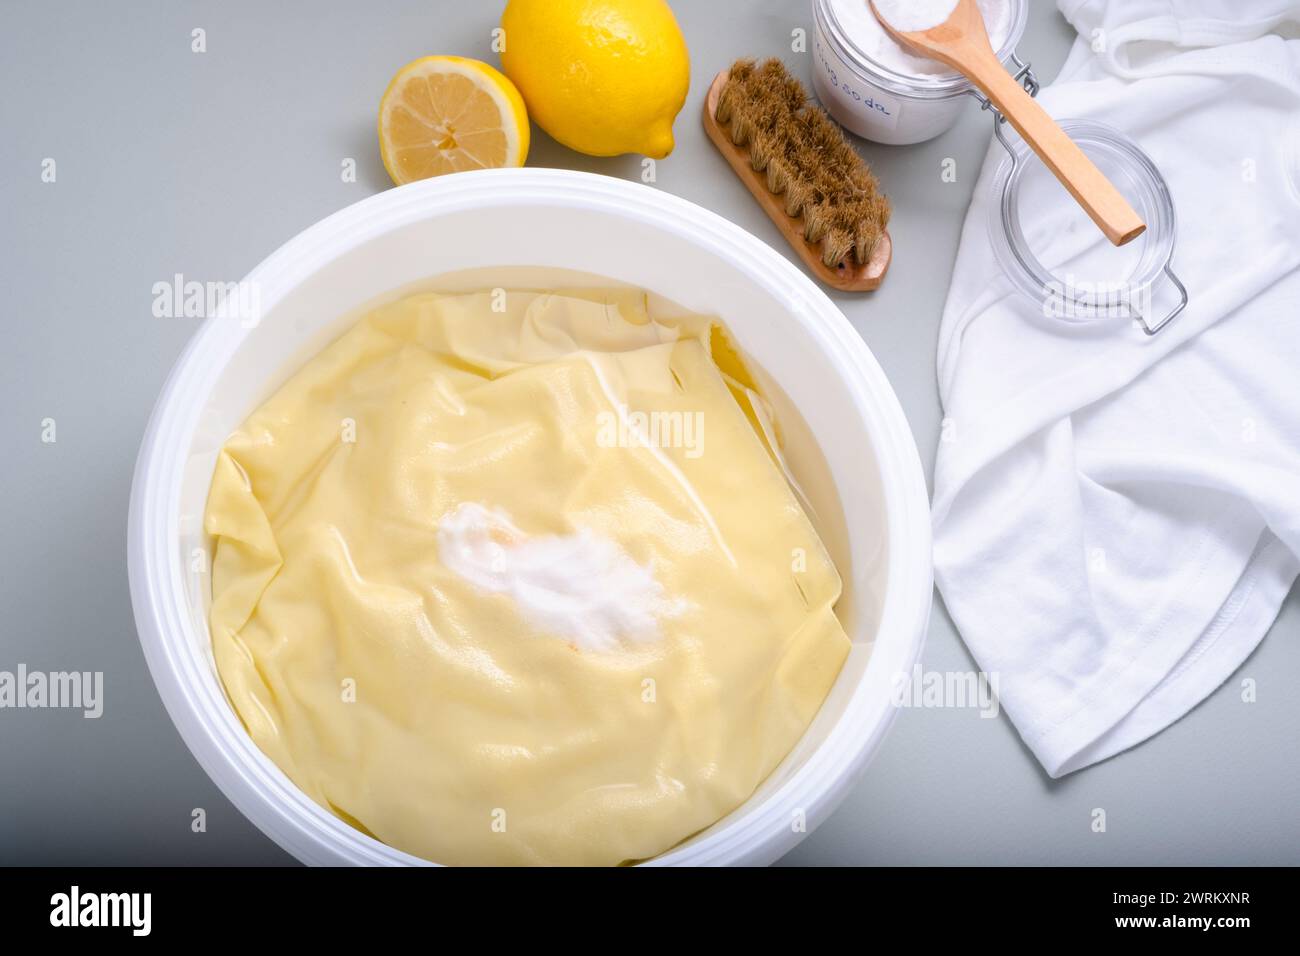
[962,42]
[848,276]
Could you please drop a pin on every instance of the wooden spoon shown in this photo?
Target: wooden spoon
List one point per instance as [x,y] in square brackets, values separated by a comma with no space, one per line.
[962,42]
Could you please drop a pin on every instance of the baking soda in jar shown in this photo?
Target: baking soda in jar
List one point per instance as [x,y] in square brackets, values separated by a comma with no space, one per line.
[880,91]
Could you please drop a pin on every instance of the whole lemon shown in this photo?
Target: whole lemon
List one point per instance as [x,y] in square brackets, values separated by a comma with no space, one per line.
[604,77]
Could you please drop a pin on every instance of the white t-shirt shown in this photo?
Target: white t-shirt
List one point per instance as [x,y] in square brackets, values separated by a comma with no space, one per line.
[1117,516]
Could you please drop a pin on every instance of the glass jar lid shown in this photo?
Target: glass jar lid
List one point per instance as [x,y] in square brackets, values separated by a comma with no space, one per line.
[1057,256]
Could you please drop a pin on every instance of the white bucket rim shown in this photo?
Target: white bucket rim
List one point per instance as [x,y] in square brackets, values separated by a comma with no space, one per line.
[194,699]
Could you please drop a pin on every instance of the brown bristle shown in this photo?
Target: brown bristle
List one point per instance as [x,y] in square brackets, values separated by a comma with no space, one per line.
[742,69]
[778,175]
[806,158]
[836,247]
[864,240]
[763,147]
[816,222]
[798,193]
[727,100]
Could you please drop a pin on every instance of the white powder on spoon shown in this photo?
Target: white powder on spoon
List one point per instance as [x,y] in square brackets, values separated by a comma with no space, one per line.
[908,16]
[869,35]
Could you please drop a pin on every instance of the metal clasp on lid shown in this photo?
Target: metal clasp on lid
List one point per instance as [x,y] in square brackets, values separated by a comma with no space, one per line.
[1024,75]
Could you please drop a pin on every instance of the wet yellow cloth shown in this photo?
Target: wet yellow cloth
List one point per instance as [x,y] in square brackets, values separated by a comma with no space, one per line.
[436,714]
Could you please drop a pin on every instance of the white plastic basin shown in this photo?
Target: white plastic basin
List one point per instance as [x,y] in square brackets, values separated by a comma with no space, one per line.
[867,475]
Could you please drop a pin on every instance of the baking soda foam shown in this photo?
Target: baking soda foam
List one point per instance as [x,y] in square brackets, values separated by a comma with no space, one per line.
[869,35]
[580,587]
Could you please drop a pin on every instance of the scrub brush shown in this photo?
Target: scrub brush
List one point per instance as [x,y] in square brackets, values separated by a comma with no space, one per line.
[802,171]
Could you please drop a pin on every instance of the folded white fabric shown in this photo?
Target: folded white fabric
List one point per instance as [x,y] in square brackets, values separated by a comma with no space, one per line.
[1117,516]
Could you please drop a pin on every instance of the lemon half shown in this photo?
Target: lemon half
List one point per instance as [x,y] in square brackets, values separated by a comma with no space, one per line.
[449,114]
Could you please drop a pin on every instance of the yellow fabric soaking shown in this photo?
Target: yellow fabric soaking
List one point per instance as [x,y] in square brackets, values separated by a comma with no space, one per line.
[513,577]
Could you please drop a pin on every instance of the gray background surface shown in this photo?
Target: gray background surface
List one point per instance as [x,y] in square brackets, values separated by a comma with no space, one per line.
[170,161]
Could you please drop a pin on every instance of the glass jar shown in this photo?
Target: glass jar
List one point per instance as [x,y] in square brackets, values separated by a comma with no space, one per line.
[1055,255]
[877,101]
